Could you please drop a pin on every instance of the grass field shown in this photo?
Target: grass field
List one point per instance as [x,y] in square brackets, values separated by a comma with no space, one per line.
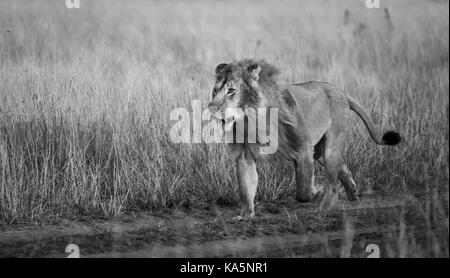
[86,95]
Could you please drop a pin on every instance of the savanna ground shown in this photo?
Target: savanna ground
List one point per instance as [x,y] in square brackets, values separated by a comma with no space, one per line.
[85,153]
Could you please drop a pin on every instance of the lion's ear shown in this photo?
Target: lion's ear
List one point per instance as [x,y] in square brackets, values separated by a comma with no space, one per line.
[254,71]
[220,68]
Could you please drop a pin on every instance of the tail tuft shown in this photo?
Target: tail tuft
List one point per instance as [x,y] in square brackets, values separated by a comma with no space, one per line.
[391,138]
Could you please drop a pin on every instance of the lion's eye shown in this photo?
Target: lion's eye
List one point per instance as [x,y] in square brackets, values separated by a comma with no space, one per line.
[231,91]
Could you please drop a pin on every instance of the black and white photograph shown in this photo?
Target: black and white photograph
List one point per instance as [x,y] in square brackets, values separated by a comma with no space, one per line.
[237,131]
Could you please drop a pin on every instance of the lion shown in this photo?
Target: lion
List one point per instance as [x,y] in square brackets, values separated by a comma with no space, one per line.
[312,122]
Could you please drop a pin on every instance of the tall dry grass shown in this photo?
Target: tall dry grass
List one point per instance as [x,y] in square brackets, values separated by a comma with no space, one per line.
[86,95]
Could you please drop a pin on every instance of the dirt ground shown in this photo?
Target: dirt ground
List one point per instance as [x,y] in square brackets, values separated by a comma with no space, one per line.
[281,229]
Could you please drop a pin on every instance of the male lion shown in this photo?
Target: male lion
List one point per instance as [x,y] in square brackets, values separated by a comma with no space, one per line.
[312,122]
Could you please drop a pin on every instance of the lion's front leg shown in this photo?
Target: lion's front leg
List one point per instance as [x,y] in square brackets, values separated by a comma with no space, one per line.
[248,181]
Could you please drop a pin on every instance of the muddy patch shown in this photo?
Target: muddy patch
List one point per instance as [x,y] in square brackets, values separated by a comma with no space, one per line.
[285,229]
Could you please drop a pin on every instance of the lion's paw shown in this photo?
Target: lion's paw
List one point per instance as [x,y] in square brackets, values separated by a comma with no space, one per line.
[237,218]
[244,217]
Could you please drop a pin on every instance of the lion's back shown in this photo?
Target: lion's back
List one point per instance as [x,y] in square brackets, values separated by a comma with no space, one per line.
[318,103]
[314,94]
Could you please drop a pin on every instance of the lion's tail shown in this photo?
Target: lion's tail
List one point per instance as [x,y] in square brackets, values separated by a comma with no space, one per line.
[389,137]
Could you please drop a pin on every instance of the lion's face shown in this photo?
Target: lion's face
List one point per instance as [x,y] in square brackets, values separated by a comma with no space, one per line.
[232,88]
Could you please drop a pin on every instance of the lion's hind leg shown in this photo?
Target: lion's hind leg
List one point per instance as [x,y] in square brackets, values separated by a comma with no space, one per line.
[329,153]
[334,163]
[346,179]
[304,170]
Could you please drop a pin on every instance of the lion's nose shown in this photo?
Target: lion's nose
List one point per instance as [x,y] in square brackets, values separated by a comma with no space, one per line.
[213,108]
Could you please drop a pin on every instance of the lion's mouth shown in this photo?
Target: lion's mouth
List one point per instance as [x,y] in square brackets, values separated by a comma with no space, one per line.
[220,116]
[228,121]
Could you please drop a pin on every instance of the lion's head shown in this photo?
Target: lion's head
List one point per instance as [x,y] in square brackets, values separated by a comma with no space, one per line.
[253,84]
[240,85]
